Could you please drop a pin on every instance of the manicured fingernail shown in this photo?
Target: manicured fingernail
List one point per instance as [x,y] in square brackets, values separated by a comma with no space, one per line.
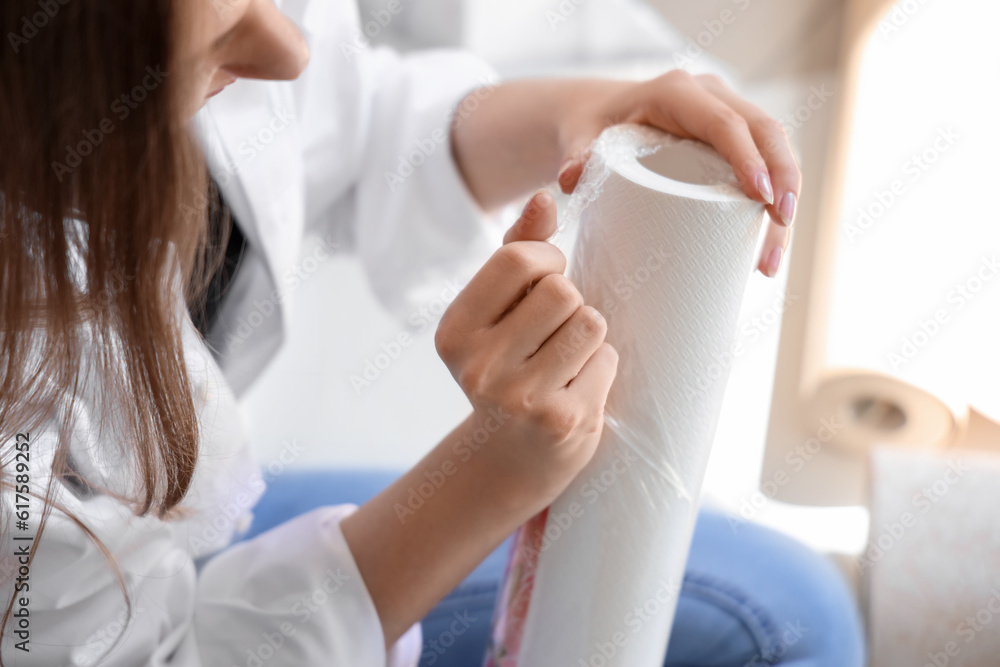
[764,187]
[787,208]
[562,170]
[773,262]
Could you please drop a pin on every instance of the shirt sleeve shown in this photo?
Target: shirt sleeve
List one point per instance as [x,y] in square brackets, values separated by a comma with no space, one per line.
[377,131]
[414,210]
[291,597]
[295,596]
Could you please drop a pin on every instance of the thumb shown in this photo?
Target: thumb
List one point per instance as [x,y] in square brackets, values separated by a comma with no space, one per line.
[538,221]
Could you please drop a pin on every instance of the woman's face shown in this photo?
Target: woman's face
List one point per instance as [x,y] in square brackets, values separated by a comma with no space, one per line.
[219,41]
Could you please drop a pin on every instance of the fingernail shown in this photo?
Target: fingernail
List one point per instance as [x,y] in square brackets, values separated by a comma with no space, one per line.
[562,170]
[787,208]
[563,179]
[764,187]
[773,262]
[537,200]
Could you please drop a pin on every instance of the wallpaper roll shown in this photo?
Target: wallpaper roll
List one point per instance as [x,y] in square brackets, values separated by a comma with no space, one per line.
[665,245]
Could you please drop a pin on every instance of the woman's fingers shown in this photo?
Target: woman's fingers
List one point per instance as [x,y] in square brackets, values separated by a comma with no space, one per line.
[551,302]
[752,142]
[538,221]
[682,106]
[595,378]
[561,358]
[773,251]
[501,283]
[572,169]
[772,143]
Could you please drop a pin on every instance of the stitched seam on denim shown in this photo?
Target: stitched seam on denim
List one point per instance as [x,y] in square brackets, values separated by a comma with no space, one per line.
[754,618]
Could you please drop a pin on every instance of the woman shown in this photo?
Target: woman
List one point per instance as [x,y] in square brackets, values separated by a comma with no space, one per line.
[125,466]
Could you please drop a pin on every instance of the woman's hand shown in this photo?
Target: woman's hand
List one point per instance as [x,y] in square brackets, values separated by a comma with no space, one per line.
[531,356]
[537,370]
[699,107]
[525,133]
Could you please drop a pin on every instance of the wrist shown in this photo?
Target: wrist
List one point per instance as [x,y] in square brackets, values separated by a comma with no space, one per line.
[486,445]
[420,537]
[510,464]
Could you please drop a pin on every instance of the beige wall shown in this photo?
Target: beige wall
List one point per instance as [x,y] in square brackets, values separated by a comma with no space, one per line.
[765,38]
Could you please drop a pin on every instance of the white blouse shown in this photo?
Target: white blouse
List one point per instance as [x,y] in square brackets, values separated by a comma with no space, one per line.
[292,596]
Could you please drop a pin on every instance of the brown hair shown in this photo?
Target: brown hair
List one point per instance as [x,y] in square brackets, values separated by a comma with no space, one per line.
[96,162]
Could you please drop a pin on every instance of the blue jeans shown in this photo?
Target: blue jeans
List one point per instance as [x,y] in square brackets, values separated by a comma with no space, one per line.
[750,597]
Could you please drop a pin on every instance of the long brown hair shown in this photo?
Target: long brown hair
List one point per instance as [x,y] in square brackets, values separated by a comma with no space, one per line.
[97,162]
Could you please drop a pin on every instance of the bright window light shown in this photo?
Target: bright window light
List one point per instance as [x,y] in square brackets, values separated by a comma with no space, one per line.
[917,284]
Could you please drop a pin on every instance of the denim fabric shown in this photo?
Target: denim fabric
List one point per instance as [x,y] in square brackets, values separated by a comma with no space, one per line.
[750,596]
